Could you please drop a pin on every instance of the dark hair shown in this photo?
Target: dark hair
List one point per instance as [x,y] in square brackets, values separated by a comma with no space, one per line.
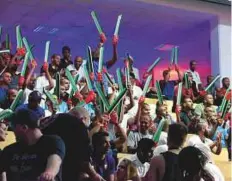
[66,48]
[132,75]
[55,55]
[191,161]
[145,144]
[165,72]
[98,137]
[224,78]
[177,134]
[192,61]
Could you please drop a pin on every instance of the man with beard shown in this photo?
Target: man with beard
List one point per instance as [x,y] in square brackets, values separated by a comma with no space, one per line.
[34,155]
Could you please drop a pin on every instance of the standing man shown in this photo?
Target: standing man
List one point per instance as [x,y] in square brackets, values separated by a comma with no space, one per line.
[34,156]
[195,74]
[66,60]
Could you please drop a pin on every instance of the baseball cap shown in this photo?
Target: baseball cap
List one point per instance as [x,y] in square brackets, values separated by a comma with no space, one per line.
[26,117]
[35,95]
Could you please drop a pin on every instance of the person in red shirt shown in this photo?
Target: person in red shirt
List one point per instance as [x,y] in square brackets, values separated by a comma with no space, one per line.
[220,92]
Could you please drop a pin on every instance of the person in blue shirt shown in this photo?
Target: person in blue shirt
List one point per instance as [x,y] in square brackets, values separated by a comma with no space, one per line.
[102,159]
[33,104]
[167,86]
[224,134]
[106,65]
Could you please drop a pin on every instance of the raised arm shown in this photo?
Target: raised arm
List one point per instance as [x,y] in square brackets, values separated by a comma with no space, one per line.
[111,62]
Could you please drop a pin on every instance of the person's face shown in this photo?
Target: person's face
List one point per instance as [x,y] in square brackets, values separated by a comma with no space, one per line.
[78,62]
[7,78]
[190,77]
[209,99]
[209,111]
[193,66]
[20,132]
[32,82]
[132,80]
[146,155]
[167,76]
[12,95]
[146,110]
[66,84]
[122,170]
[162,111]
[209,79]
[3,131]
[56,60]
[188,103]
[144,125]
[226,82]
[66,54]
[62,90]
[104,146]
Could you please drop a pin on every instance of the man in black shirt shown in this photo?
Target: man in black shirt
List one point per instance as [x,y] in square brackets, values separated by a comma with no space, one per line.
[34,155]
[75,135]
[66,60]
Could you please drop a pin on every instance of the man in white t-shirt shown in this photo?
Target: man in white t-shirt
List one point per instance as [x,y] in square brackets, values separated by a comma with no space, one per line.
[45,81]
[141,159]
[195,74]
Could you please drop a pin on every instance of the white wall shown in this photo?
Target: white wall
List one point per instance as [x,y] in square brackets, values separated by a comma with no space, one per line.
[220,30]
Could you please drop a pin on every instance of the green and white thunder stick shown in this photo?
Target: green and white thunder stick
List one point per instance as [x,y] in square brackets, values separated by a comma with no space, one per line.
[0,33]
[25,63]
[157,134]
[7,41]
[117,25]
[47,47]
[57,90]
[94,16]
[25,42]
[50,97]
[72,92]
[179,93]
[89,83]
[109,79]
[5,114]
[176,55]
[4,51]
[16,100]
[102,96]
[117,100]
[186,80]
[90,59]
[159,93]
[19,37]
[119,77]
[146,86]
[224,100]
[172,56]
[70,78]
[153,65]
[212,83]
[100,64]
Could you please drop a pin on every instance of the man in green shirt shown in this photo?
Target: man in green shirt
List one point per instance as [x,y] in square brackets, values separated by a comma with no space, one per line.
[207,102]
[187,113]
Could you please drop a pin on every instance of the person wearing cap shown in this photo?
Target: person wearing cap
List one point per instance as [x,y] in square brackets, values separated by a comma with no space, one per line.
[34,156]
[34,100]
